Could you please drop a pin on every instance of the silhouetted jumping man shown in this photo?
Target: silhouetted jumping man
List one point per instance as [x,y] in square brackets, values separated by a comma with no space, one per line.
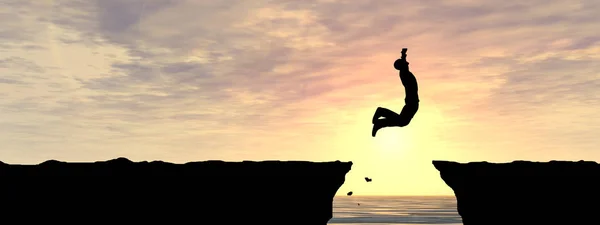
[411,100]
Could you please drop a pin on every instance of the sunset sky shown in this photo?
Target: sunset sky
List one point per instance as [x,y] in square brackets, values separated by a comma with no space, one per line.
[194,80]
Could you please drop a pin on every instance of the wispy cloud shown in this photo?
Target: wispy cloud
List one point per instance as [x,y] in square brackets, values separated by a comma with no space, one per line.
[188,80]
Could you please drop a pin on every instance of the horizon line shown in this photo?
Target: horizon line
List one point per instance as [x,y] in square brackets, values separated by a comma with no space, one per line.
[395,195]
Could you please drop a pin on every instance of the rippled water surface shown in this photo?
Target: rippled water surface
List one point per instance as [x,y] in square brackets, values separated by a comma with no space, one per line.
[394,210]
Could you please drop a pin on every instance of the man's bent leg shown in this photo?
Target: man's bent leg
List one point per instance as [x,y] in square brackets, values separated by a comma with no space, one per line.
[381,123]
[400,120]
[383,112]
[406,115]
[391,119]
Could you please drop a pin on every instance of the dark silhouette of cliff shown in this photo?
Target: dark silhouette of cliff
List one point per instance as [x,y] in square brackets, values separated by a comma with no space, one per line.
[384,117]
[524,193]
[211,192]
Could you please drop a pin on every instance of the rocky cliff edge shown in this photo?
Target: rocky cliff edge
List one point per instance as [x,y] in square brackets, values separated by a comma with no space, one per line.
[210,192]
[523,192]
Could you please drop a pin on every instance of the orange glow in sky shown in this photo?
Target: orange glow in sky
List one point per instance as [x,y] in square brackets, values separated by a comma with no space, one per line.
[240,80]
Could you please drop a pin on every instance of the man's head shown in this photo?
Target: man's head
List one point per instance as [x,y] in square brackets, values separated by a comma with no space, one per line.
[401,64]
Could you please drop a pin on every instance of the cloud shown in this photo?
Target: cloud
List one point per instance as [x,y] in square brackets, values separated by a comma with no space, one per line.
[243,79]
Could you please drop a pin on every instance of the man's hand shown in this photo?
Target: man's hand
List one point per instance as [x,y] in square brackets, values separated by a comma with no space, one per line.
[401,63]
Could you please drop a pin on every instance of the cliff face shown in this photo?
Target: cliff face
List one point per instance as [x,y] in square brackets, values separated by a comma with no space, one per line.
[521,192]
[211,192]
